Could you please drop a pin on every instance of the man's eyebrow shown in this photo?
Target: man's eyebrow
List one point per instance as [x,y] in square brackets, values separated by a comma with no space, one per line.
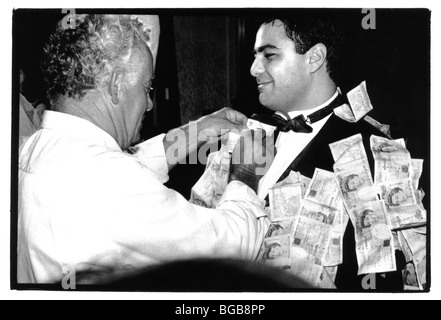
[263,48]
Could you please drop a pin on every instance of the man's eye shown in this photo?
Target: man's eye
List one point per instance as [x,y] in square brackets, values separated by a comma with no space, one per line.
[269,55]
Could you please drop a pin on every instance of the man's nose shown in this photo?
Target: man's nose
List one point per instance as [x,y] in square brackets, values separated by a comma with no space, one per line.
[257,68]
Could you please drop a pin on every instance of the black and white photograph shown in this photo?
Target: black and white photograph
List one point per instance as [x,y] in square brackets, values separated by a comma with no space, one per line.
[119,116]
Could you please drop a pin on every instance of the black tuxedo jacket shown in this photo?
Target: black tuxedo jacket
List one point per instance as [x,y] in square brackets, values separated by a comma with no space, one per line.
[317,154]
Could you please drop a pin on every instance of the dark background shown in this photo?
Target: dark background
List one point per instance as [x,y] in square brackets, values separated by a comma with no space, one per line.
[205,56]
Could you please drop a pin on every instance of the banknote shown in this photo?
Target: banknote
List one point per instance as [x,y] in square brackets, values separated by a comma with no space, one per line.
[383,148]
[276,251]
[420,261]
[416,172]
[375,246]
[295,178]
[332,271]
[355,183]
[359,104]
[334,256]
[209,189]
[410,277]
[280,228]
[323,189]
[404,247]
[285,202]
[309,248]
[348,150]
[398,195]
[416,242]
[360,101]
[313,237]
[405,217]
[385,128]
[392,160]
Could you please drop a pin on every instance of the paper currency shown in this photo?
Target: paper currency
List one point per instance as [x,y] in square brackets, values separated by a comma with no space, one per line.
[416,241]
[416,172]
[332,271]
[334,256]
[404,247]
[276,251]
[355,182]
[359,101]
[295,178]
[374,241]
[407,217]
[384,128]
[285,202]
[348,150]
[281,228]
[309,248]
[323,189]
[410,278]
[392,160]
[398,194]
[359,104]
[209,189]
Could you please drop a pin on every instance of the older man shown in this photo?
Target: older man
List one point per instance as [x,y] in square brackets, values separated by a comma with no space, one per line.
[87,205]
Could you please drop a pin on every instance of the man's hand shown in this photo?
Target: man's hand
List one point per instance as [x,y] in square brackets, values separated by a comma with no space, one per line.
[218,124]
[252,157]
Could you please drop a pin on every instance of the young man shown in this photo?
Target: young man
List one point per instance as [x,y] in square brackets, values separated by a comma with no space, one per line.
[296,60]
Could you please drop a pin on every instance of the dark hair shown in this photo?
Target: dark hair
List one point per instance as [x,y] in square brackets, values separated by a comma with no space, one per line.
[346,180]
[363,217]
[306,29]
[269,248]
[80,59]
[272,228]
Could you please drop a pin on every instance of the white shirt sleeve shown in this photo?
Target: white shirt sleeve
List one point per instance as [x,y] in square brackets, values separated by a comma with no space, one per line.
[152,154]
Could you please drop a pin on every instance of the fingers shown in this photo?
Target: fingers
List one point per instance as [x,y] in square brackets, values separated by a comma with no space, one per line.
[235,116]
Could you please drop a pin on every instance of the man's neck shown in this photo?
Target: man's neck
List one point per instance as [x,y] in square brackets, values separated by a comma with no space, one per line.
[318,95]
[89,108]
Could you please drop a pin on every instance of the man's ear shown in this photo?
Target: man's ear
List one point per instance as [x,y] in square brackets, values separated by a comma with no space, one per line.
[317,57]
[115,85]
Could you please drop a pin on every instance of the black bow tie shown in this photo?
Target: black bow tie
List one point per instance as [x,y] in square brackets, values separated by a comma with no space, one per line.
[299,123]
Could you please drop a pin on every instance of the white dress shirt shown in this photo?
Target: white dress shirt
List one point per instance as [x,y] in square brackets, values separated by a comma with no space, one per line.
[85,204]
[289,145]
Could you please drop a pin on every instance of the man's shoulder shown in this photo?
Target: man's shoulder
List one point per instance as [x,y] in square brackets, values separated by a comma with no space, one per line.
[337,128]
[318,154]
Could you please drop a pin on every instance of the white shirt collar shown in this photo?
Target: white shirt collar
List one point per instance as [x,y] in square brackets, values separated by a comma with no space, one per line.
[294,114]
[78,127]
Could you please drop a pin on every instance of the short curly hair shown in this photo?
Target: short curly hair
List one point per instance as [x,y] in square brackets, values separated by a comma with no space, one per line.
[307,28]
[81,59]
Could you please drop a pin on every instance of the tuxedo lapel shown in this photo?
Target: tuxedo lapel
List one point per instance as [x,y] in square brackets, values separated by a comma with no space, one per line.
[317,153]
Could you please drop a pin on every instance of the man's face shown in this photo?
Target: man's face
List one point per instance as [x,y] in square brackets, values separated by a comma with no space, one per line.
[399,198]
[355,183]
[275,252]
[370,219]
[282,74]
[136,98]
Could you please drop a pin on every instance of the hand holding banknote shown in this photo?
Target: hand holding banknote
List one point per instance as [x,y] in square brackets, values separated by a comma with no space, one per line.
[252,157]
